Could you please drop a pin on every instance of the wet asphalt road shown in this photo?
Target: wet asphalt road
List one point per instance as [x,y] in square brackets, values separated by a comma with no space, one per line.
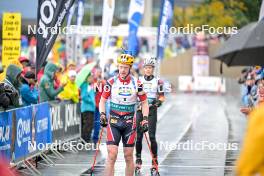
[185,120]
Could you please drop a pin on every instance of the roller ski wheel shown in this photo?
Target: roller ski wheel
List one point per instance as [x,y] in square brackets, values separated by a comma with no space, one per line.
[154,172]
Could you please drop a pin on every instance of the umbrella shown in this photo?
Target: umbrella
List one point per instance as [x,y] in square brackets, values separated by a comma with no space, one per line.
[246,48]
[85,71]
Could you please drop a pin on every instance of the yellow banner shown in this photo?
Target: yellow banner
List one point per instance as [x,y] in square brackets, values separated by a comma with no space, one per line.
[10,52]
[11,26]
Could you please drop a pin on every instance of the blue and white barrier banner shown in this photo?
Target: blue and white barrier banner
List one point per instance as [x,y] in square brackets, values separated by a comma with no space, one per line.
[23,132]
[165,21]
[136,10]
[5,135]
[65,120]
[42,121]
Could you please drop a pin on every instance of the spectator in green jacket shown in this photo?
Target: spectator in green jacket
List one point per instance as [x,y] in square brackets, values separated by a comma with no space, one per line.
[46,86]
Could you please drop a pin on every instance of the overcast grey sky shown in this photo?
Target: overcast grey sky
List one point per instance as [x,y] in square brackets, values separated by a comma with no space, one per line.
[28,8]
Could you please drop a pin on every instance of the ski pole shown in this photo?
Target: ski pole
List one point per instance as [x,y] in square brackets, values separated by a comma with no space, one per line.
[97,149]
[153,159]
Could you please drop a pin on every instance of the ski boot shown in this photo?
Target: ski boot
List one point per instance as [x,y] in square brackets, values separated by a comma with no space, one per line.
[138,166]
[154,172]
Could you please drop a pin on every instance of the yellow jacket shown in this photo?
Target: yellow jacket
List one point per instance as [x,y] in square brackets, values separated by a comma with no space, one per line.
[70,92]
[251,160]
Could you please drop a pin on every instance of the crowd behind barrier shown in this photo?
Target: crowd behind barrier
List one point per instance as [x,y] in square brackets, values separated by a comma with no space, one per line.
[25,131]
[252,97]
[252,88]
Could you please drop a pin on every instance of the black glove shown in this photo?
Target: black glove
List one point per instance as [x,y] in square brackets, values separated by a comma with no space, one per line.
[158,103]
[144,124]
[103,120]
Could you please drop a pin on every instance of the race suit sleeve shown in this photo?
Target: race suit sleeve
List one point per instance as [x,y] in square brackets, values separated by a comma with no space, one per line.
[107,88]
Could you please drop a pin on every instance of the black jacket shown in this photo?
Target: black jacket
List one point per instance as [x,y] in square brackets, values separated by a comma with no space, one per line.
[9,89]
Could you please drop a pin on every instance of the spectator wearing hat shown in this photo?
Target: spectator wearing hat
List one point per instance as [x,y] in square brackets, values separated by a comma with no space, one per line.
[70,66]
[13,79]
[46,85]
[28,91]
[9,88]
[24,61]
[26,66]
[71,90]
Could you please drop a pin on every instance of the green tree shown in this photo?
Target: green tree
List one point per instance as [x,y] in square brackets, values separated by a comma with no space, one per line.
[218,13]
[253,8]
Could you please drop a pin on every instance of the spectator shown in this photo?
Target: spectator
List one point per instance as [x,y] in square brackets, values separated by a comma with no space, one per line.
[251,158]
[71,90]
[5,100]
[46,86]
[28,91]
[26,66]
[243,77]
[13,78]
[247,101]
[252,87]
[9,93]
[70,66]
[24,62]
[256,94]
[99,85]
[109,68]
[87,108]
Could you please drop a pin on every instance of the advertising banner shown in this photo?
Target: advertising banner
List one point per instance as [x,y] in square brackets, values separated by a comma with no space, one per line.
[5,135]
